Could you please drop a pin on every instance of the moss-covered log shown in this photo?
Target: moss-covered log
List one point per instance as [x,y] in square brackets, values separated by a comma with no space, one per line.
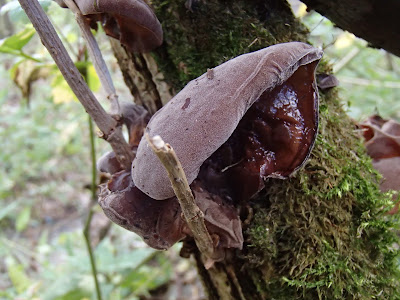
[323,234]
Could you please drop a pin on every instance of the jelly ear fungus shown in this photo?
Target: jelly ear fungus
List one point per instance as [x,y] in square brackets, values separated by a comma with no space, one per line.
[159,223]
[131,21]
[255,117]
[382,141]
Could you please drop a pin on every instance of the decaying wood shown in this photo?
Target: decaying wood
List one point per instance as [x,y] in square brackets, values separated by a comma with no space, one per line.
[137,77]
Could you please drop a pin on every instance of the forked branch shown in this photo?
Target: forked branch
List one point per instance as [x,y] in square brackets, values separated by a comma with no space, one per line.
[110,127]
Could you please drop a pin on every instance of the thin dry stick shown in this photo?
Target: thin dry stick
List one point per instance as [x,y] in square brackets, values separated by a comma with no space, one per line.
[193,215]
[96,57]
[110,129]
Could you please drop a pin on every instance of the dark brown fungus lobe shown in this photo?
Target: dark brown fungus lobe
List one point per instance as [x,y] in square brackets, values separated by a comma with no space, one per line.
[382,137]
[108,163]
[258,113]
[135,118]
[273,139]
[159,223]
[382,140]
[131,21]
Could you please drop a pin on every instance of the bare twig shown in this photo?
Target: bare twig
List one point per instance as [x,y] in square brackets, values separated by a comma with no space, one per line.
[86,234]
[96,57]
[110,128]
[86,229]
[193,215]
[370,82]
[345,60]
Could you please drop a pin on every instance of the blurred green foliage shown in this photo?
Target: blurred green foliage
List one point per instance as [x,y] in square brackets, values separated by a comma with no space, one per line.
[45,161]
[369,78]
[44,173]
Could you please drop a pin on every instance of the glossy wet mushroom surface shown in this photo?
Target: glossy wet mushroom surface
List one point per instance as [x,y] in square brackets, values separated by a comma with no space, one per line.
[263,104]
[273,139]
[254,117]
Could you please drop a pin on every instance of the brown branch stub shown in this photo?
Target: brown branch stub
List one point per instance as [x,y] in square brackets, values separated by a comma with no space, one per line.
[193,215]
[106,123]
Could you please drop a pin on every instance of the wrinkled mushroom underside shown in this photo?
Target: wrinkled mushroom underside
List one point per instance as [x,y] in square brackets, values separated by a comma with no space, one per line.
[202,117]
[131,21]
[160,223]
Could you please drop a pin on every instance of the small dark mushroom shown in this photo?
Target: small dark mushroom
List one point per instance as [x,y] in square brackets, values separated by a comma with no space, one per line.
[256,117]
[327,81]
[158,223]
[131,21]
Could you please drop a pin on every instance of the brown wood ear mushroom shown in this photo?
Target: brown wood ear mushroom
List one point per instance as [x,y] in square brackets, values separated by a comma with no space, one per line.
[131,21]
[159,223]
[382,137]
[253,117]
[382,140]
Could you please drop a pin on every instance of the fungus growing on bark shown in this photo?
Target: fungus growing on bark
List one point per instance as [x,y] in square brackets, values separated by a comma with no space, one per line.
[159,223]
[256,117]
[131,21]
[327,81]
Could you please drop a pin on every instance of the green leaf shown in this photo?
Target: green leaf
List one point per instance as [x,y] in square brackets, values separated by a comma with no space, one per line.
[74,295]
[23,219]
[5,211]
[14,44]
[16,13]
[18,40]
[92,79]
[18,277]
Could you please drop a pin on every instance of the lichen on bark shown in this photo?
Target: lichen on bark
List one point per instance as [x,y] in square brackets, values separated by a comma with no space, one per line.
[323,233]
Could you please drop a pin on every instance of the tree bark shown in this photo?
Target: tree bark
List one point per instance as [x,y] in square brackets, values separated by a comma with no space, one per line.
[375,21]
[319,235]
